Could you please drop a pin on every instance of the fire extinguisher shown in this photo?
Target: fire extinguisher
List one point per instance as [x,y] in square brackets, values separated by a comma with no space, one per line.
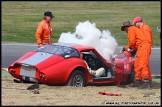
[127,62]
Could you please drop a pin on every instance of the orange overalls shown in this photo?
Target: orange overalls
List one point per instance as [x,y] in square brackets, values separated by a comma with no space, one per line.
[43,33]
[138,40]
[147,31]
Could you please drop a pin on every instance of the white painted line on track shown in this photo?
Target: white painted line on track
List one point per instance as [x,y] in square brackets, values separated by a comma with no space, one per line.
[28,44]
[19,44]
[151,48]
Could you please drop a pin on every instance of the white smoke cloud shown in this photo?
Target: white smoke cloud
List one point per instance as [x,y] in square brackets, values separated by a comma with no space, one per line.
[87,34]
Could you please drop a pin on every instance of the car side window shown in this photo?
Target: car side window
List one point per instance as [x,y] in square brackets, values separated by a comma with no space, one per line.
[71,52]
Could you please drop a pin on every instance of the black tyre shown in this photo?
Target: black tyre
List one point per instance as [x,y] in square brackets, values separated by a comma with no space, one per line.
[77,79]
[131,76]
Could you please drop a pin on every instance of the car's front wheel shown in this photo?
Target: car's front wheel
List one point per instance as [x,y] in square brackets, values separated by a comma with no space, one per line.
[77,79]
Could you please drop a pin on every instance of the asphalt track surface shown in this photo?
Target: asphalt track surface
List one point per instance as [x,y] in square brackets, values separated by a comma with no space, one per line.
[12,51]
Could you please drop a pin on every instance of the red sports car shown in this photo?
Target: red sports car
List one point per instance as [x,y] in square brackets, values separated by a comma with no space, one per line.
[63,64]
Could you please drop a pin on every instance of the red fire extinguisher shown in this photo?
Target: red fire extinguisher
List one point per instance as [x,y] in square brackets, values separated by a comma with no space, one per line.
[127,62]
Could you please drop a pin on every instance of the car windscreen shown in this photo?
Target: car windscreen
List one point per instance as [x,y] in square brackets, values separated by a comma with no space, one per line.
[58,50]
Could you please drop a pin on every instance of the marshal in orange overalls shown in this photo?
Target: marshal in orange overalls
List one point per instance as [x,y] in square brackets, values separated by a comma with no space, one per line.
[138,40]
[147,31]
[43,33]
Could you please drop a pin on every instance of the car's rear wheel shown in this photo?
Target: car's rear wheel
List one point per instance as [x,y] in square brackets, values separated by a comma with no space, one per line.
[77,79]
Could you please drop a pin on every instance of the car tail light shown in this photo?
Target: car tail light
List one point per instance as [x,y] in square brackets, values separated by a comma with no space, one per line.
[12,70]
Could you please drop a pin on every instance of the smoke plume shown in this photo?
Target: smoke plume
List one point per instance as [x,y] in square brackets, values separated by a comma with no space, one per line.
[87,34]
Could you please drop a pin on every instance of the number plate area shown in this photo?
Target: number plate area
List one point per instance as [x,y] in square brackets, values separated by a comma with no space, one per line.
[28,71]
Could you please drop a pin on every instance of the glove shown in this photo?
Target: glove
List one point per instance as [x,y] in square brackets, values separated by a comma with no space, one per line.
[128,49]
[122,50]
[133,52]
[40,45]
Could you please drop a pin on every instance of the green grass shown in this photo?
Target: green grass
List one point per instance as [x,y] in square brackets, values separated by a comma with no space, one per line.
[20,19]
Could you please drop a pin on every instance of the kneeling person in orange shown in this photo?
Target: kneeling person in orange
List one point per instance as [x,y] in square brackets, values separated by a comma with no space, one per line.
[44,31]
[137,40]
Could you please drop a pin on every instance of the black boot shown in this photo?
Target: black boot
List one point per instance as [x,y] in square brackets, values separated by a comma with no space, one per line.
[145,84]
[136,83]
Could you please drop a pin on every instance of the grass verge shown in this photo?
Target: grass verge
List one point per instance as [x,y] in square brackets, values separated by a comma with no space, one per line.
[20,18]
